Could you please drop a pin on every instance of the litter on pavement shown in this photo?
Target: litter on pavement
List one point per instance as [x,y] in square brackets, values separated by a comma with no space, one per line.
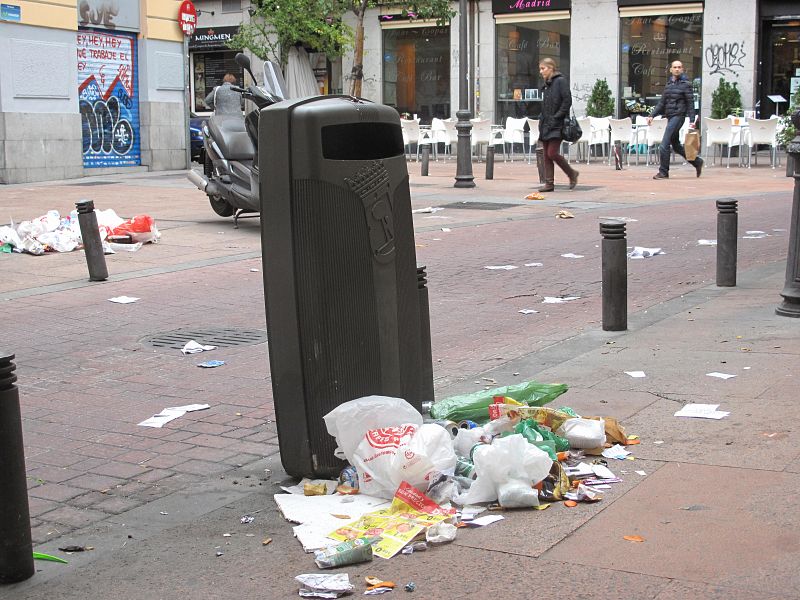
[571,255]
[638,252]
[559,299]
[501,267]
[123,299]
[702,411]
[534,264]
[210,364]
[193,347]
[316,585]
[636,374]
[720,375]
[528,311]
[171,413]
[706,242]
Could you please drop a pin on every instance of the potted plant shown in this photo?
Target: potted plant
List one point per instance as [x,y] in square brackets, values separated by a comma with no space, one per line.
[726,100]
[786,129]
[601,102]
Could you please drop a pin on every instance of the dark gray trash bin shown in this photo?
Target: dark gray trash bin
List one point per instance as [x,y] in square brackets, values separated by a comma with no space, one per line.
[340,273]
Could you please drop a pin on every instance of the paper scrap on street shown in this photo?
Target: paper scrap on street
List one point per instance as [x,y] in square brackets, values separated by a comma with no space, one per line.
[622,219]
[564,214]
[210,364]
[571,255]
[720,375]
[636,374]
[330,486]
[603,472]
[558,299]
[427,209]
[123,299]
[706,242]
[171,413]
[702,411]
[446,229]
[528,311]
[534,264]
[616,451]
[501,267]
[754,235]
[319,585]
[639,252]
[642,473]
[192,347]
[487,520]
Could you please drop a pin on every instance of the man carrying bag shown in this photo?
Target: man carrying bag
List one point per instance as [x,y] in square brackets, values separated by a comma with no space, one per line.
[676,104]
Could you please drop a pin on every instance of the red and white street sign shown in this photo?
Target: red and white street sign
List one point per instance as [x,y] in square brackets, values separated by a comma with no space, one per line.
[187,17]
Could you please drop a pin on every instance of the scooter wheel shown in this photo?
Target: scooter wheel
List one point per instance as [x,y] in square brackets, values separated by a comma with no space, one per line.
[221,207]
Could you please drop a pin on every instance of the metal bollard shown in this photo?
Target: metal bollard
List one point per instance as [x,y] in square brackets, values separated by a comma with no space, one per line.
[426,356]
[426,157]
[92,244]
[615,276]
[16,548]
[489,162]
[727,233]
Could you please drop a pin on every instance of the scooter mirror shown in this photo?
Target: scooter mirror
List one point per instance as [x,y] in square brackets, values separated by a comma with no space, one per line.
[244,61]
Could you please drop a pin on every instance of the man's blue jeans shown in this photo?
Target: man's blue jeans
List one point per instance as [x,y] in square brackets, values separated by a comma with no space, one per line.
[672,138]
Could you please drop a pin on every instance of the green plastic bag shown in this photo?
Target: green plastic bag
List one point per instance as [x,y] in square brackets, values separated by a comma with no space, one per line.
[532,432]
[475,406]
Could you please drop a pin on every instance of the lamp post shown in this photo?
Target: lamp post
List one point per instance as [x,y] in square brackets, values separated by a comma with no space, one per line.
[790,307]
[464,178]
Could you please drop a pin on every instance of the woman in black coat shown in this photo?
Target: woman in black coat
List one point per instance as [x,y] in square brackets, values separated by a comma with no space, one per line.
[556,103]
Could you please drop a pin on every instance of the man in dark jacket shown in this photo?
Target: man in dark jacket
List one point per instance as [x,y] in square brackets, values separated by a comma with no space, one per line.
[676,104]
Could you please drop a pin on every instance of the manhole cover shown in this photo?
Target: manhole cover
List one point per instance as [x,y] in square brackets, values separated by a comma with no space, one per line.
[222,337]
[480,205]
[91,183]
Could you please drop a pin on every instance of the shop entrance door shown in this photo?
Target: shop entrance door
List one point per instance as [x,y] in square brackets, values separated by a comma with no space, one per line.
[780,65]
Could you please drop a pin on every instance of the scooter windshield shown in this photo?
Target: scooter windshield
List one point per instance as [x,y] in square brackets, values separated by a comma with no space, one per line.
[273,80]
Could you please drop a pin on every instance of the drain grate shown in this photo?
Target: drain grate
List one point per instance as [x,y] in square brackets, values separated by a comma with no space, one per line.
[480,205]
[222,337]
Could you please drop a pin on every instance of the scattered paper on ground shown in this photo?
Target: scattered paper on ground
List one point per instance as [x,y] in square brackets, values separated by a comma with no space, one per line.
[720,375]
[528,311]
[210,364]
[564,214]
[702,411]
[633,538]
[639,252]
[123,299]
[319,585]
[706,242]
[534,264]
[427,209]
[192,347]
[446,229]
[330,486]
[571,255]
[534,196]
[558,299]
[754,235]
[487,520]
[171,413]
[616,451]
[501,267]
[636,373]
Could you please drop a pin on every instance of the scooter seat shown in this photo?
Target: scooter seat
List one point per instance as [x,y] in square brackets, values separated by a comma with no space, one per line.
[231,137]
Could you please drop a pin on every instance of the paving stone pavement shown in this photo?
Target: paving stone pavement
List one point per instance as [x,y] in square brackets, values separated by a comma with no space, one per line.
[87,377]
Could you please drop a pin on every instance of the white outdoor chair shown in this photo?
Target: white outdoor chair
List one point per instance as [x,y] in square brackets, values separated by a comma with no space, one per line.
[638,136]
[762,131]
[655,135]
[514,133]
[600,129]
[444,132]
[480,135]
[583,141]
[410,130]
[622,132]
[719,132]
[533,136]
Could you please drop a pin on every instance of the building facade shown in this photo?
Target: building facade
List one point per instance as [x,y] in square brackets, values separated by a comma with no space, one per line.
[90,87]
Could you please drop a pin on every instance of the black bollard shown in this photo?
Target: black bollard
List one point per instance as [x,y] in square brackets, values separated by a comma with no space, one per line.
[615,276]
[16,549]
[790,307]
[727,234]
[489,162]
[425,355]
[92,244]
[426,157]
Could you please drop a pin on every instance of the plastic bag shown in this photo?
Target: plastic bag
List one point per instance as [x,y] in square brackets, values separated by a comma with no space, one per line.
[475,406]
[584,433]
[509,465]
[141,228]
[440,533]
[533,432]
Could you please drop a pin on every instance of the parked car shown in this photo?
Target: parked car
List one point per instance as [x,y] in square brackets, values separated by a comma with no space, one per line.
[196,137]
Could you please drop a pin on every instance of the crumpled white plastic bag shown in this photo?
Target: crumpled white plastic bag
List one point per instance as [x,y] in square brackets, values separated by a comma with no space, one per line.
[583,433]
[507,467]
[385,440]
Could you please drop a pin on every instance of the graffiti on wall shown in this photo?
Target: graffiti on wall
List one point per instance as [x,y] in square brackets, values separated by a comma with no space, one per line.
[98,13]
[108,99]
[581,92]
[725,58]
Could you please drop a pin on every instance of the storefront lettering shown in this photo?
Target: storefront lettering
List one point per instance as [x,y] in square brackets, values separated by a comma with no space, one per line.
[527,4]
[401,58]
[416,32]
[520,45]
[546,43]
[429,76]
[671,19]
[640,69]
[643,49]
[722,58]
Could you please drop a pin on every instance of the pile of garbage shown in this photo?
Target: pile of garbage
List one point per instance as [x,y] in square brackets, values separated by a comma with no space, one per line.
[413,481]
[53,233]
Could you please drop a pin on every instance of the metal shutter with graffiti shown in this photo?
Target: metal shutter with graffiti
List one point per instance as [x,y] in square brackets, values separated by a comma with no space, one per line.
[108,97]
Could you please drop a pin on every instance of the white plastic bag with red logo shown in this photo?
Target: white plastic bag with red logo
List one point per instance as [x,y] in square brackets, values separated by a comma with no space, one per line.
[385,440]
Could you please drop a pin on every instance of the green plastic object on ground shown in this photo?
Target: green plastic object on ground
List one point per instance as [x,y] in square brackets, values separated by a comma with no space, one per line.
[43,556]
[532,432]
[475,406]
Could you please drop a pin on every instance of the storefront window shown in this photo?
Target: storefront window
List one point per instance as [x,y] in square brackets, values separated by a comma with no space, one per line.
[209,68]
[520,47]
[649,45]
[781,65]
[416,71]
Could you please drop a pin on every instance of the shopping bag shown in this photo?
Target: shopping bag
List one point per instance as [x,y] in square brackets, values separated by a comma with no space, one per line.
[692,144]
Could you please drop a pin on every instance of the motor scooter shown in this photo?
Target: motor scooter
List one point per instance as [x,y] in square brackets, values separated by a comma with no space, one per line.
[230,172]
